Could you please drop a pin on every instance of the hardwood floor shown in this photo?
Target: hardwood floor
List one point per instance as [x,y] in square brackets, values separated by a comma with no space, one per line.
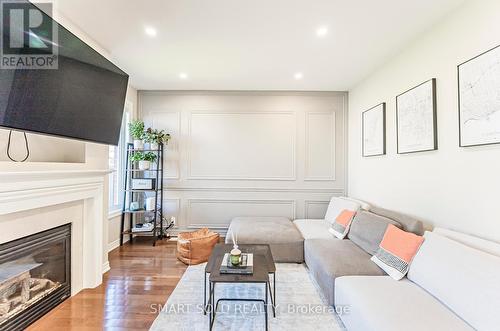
[141,278]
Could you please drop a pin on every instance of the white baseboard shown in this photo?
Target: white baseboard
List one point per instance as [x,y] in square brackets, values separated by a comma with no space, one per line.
[105,267]
[115,244]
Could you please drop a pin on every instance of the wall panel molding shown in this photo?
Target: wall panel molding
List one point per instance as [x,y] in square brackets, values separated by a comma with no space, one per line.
[308,176]
[293,148]
[173,146]
[310,203]
[286,170]
[333,191]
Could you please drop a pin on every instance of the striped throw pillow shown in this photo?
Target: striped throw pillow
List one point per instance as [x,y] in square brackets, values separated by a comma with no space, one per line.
[396,251]
[342,223]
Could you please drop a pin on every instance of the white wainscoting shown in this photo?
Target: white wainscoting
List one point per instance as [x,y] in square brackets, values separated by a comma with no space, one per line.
[217,213]
[315,209]
[249,153]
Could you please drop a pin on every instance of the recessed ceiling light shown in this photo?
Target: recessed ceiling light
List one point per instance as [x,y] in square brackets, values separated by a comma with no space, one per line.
[298,75]
[322,31]
[183,75]
[150,31]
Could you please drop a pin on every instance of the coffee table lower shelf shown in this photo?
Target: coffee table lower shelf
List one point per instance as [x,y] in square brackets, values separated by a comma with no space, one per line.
[213,305]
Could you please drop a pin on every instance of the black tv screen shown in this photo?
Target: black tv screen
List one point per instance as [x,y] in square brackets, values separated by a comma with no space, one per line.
[81,97]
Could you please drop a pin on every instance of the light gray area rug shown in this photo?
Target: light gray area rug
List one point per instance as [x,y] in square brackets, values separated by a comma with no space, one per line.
[299,304]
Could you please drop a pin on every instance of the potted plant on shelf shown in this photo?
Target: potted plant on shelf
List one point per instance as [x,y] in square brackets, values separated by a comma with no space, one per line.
[155,137]
[136,129]
[144,159]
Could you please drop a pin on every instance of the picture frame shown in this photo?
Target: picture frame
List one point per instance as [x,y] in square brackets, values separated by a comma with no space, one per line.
[479,99]
[416,119]
[374,131]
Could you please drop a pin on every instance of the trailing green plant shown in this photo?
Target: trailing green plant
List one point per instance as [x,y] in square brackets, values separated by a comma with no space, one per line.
[156,136]
[149,136]
[136,129]
[164,138]
[149,156]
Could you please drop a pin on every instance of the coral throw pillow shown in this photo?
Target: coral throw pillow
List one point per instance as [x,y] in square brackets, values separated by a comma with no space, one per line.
[342,223]
[396,251]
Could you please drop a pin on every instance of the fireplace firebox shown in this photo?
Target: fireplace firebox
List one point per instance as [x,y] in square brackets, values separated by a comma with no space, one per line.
[35,276]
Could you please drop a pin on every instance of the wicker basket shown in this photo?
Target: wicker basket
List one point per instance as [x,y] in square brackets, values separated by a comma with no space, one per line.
[196,247]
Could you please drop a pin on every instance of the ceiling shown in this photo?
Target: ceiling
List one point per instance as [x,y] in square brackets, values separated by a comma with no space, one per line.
[252,45]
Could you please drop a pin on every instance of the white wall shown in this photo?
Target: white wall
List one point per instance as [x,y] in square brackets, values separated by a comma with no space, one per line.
[453,187]
[249,153]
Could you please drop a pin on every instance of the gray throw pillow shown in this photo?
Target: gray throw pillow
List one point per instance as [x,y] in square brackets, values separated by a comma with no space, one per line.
[367,230]
[408,223]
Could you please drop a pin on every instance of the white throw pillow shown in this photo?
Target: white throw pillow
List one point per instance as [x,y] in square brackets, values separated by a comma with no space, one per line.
[363,204]
[337,205]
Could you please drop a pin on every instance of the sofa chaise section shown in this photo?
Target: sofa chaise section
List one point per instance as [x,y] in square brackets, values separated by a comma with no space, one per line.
[384,304]
[285,241]
[313,228]
[450,286]
[328,259]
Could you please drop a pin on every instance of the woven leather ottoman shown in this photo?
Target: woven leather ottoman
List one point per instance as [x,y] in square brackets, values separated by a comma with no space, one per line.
[195,247]
[285,240]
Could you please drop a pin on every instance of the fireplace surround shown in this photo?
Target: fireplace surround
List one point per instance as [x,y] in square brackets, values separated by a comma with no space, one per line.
[35,276]
[37,201]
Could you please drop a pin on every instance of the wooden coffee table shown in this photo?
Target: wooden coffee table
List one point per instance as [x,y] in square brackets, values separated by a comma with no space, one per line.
[263,266]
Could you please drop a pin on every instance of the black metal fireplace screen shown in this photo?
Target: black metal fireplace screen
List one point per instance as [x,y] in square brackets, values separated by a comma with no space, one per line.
[35,276]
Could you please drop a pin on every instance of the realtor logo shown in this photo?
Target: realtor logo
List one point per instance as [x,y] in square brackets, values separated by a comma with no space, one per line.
[28,36]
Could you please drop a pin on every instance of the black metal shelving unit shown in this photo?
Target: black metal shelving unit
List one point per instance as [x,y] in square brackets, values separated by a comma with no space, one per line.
[133,172]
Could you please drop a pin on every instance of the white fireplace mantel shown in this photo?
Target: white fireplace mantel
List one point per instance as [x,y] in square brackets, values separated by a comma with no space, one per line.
[24,191]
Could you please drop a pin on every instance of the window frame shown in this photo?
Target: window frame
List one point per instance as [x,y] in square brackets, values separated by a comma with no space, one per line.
[116,209]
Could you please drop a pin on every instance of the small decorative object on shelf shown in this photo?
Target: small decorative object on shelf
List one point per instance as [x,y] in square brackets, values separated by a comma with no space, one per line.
[136,129]
[150,204]
[143,184]
[143,194]
[134,206]
[143,227]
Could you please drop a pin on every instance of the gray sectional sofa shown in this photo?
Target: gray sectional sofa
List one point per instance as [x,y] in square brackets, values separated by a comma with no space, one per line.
[453,282]
[309,241]
[350,256]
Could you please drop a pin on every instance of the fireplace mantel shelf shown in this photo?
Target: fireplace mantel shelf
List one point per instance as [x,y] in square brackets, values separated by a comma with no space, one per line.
[11,176]
[35,189]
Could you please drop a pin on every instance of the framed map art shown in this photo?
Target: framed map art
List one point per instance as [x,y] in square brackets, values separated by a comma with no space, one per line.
[416,119]
[479,99]
[374,131]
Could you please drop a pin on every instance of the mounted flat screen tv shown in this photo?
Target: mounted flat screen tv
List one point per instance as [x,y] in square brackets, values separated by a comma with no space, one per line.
[73,92]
